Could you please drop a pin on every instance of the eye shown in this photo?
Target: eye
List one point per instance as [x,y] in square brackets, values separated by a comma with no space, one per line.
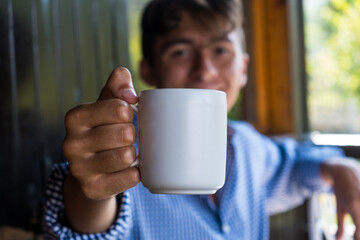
[179,53]
[221,50]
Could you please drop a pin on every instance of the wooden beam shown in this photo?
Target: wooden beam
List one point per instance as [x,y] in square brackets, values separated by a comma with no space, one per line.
[270,65]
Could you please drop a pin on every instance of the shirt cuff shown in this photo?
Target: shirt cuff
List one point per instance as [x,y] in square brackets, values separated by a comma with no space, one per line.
[54,224]
[308,168]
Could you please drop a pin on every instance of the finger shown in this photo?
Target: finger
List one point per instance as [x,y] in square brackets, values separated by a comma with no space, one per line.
[357,234]
[340,221]
[121,181]
[108,137]
[99,113]
[119,85]
[107,185]
[355,215]
[112,160]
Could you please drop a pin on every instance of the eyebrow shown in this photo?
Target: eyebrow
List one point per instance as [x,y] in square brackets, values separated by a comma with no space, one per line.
[182,40]
[175,41]
[223,37]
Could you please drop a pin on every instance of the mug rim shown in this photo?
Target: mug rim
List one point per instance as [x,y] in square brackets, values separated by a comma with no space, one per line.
[182,90]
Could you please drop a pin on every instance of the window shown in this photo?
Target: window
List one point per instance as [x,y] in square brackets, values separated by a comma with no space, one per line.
[332,64]
[332,42]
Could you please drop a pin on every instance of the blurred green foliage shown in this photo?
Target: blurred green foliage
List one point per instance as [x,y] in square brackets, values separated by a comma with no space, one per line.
[333,49]
[135,9]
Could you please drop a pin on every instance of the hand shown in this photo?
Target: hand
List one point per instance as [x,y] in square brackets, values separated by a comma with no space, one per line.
[99,139]
[344,176]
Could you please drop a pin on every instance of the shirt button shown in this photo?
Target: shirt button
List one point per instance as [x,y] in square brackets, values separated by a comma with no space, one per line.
[225,228]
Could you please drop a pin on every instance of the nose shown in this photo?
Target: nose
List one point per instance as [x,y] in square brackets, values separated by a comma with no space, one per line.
[204,67]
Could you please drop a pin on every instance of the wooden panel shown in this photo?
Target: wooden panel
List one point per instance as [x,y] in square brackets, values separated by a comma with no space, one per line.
[271,110]
[258,57]
[279,68]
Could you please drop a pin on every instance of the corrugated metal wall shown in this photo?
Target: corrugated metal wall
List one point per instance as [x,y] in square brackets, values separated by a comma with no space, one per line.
[54,54]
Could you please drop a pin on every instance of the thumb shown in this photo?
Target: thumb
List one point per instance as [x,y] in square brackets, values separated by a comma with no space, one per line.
[119,85]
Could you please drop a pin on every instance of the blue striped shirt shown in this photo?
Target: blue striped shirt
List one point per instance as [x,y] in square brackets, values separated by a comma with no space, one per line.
[263,177]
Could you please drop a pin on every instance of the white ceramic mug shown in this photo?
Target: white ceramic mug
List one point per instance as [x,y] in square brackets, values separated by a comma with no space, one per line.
[182,140]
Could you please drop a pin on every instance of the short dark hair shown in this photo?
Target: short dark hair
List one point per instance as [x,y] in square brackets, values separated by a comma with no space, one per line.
[160,17]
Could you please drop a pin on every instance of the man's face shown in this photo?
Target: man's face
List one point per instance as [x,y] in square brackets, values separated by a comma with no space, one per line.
[191,56]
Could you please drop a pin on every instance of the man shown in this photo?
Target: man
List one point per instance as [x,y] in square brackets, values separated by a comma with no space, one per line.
[186,44]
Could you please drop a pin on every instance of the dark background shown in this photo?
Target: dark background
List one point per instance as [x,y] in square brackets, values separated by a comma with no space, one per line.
[54,54]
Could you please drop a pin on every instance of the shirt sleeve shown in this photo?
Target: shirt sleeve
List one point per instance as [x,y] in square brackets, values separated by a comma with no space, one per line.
[54,223]
[294,172]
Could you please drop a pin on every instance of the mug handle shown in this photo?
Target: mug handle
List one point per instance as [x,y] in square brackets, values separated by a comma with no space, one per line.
[135,108]
[136,162]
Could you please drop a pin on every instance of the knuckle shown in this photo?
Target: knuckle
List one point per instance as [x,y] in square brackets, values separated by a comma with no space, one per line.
[73,116]
[128,155]
[68,147]
[123,113]
[69,119]
[71,147]
[128,179]
[129,134]
[133,176]
[77,169]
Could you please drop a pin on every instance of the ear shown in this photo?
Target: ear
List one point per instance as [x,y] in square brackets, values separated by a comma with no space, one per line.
[146,72]
[244,70]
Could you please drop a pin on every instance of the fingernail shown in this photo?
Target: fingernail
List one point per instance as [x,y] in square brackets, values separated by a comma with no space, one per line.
[128,93]
[124,113]
[128,135]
